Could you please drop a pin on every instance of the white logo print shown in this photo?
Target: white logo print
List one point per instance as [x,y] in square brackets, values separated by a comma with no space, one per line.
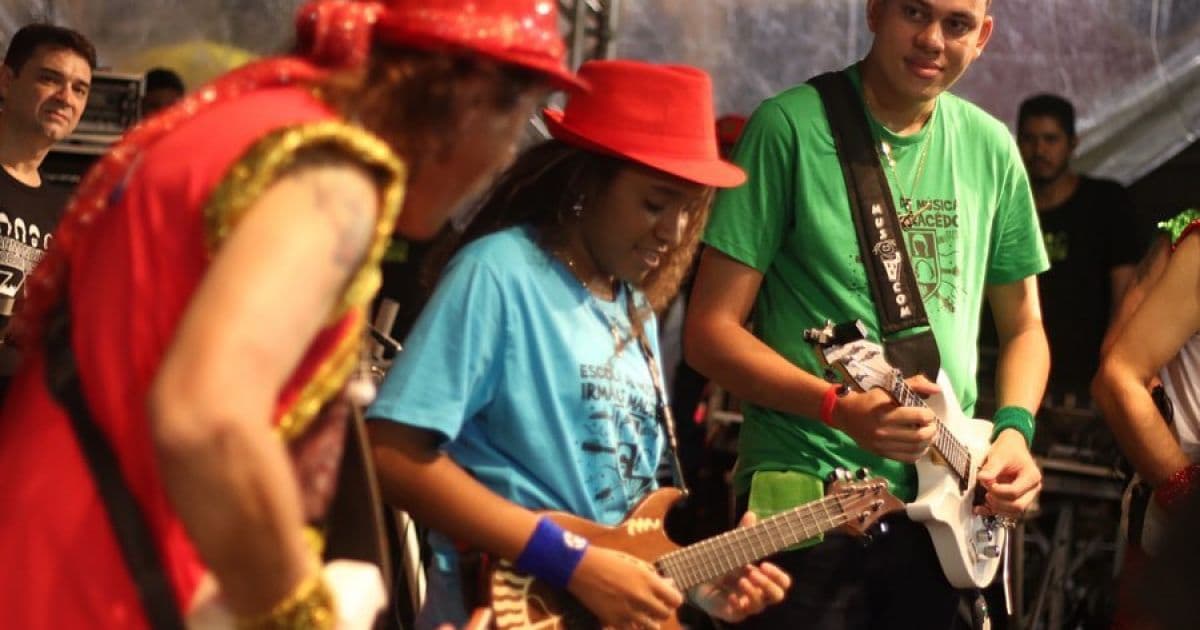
[574,541]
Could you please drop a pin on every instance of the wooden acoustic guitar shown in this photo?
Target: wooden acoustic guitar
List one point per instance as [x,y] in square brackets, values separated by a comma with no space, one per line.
[518,601]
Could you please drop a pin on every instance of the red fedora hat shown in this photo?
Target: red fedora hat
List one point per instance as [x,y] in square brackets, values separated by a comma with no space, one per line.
[657,115]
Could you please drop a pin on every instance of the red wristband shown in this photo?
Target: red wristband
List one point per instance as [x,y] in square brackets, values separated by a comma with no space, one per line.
[828,401]
[1177,487]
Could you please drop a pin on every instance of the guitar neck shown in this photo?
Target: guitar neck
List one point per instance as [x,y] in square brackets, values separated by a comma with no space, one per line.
[714,557]
[944,443]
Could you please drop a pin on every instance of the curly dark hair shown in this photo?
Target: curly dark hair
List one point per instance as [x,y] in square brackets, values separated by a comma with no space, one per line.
[414,99]
[542,185]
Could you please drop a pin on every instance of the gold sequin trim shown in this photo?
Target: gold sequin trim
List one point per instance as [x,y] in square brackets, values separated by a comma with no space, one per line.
[314,539]
[326,382]
[256,171]
[310,606]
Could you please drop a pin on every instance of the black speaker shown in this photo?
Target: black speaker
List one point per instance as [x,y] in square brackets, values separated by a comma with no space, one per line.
[114,105]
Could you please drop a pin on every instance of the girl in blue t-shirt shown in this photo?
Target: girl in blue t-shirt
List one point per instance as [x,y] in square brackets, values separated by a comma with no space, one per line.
[530,381]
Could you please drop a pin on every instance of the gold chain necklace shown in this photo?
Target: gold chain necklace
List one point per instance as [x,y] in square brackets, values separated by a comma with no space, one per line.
[613,326]
[907,200]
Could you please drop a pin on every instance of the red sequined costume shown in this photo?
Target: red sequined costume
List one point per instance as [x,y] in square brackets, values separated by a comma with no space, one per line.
[141,231]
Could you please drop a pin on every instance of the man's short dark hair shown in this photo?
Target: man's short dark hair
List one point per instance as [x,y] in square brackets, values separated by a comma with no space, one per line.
[30,37]
[158,78]
[1051,105]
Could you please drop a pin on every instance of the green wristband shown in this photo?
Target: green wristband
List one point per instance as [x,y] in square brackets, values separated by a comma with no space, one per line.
[1013,417]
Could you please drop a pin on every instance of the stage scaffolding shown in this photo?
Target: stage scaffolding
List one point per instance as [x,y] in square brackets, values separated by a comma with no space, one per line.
[591,28]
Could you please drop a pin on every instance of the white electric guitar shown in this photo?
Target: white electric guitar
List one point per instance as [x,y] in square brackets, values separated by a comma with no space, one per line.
[969,547]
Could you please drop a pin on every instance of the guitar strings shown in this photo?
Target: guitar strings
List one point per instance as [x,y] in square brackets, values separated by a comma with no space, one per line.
[951,449]
[703,561]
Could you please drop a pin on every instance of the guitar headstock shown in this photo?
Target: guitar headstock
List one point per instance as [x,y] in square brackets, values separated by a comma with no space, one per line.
[865,500]
[858,361]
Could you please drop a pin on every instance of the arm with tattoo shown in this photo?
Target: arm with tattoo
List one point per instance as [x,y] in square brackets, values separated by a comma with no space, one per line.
[1145,274]
[267,292]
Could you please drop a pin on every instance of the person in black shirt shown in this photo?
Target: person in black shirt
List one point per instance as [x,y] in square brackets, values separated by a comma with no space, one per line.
[44,82]
[163,88]
[1089,228]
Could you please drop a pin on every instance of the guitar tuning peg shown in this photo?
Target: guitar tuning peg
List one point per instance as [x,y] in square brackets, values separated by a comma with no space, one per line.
[862,474]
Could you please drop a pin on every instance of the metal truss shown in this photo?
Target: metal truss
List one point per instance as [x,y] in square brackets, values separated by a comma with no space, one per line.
[592,28]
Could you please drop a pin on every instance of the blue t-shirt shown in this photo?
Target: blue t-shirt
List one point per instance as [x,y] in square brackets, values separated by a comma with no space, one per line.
[513,364]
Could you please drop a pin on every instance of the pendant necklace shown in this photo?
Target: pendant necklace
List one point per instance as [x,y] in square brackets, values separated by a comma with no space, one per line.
[613,326]
[907,200]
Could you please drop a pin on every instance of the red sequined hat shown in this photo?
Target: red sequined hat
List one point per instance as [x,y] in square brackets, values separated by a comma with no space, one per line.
[519,32]
[657,115]
[338,33]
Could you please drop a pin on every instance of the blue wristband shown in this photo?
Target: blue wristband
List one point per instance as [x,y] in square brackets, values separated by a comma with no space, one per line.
[1013,417]
[552,553]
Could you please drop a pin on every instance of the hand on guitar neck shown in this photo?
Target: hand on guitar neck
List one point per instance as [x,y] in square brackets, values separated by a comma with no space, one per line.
[743,592]
[881,426]
[623,587]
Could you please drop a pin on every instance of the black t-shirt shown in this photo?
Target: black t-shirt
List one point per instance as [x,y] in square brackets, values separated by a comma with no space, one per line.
[1089,234]
[28,215]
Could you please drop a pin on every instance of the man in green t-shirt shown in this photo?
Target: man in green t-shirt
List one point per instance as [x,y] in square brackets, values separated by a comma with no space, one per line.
[785,246]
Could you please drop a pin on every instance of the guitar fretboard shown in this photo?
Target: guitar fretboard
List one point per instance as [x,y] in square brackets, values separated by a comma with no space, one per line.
[944,442]
[712,558]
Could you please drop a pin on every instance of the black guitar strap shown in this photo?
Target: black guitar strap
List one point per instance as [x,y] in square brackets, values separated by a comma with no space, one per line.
[133,533]
[880,239]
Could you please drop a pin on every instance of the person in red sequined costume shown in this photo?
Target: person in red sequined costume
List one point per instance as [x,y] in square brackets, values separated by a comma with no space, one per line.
[207,287]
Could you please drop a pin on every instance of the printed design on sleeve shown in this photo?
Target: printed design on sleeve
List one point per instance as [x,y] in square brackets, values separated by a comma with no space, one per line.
[933,243]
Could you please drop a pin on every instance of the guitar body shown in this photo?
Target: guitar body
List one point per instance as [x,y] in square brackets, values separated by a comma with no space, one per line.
[963,540]
[518,601]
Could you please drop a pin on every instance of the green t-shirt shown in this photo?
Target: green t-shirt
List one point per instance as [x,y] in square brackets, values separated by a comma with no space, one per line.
[976,225]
